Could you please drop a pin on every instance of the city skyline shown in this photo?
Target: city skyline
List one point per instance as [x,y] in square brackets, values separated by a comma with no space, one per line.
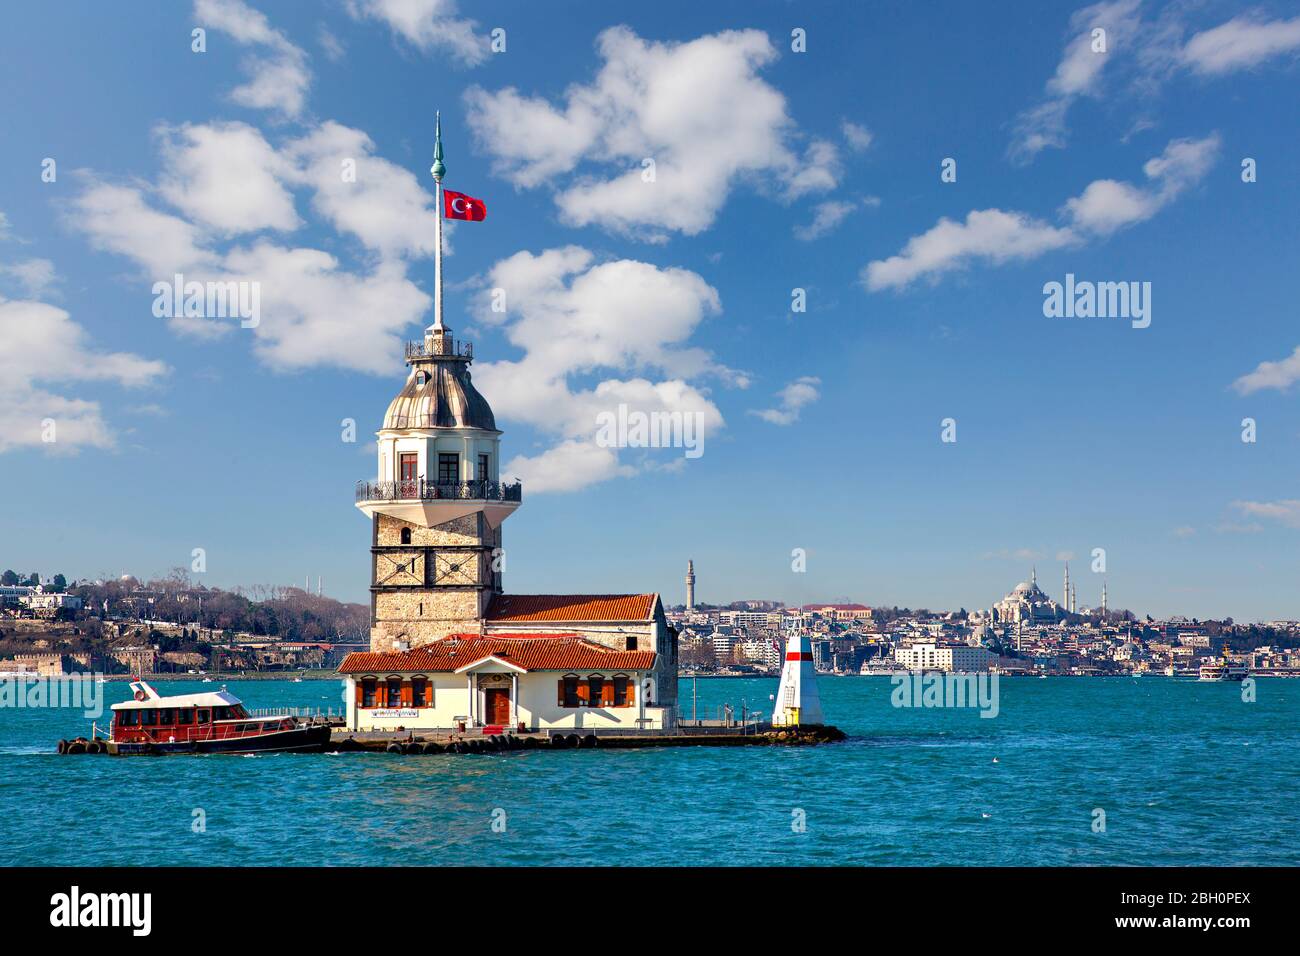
[818,171]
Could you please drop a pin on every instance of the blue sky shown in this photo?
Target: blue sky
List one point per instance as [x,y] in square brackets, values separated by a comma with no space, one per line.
[775,170]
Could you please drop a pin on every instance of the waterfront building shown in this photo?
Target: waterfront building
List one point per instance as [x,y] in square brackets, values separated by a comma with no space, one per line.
[961,658]
[448,646]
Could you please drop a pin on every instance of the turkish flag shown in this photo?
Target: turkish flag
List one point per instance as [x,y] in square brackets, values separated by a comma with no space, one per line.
[460,206]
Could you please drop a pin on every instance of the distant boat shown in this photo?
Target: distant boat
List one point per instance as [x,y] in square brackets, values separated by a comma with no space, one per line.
[1221,671]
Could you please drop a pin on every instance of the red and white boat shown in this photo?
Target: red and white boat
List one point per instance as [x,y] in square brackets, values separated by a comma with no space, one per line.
[204,723]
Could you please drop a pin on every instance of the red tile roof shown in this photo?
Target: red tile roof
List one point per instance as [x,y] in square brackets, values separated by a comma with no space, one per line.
[532,652]
[571,607]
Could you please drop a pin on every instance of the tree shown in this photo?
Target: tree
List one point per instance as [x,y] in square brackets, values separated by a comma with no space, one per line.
[34,579]
[60,582]
[9,578]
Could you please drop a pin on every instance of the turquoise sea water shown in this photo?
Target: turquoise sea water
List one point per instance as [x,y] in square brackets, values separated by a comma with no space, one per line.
[1186,774]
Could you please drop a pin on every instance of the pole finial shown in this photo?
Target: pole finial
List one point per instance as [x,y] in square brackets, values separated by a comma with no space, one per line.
[438,169]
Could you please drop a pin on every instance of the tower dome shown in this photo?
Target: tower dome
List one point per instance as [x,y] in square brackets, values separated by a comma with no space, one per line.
[439,393]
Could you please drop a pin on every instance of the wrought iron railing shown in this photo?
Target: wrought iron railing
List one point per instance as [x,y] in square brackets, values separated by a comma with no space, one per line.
[421,490]
[450,347]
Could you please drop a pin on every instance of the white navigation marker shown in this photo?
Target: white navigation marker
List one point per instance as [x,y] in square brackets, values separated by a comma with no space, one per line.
[796,699]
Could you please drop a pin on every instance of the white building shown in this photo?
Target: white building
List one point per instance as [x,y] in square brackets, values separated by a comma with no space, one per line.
[535,682]
[931,656]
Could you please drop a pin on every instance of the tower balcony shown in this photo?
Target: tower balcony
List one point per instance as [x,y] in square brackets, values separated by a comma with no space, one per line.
[439,347]
[432,503]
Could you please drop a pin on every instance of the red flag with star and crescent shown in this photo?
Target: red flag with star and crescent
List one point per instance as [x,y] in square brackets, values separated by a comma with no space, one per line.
[459,206]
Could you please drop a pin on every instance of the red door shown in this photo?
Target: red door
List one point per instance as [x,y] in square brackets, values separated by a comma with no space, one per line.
[497,700]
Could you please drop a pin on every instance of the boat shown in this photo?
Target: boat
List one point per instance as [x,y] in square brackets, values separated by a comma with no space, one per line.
[1216,670]
[204,723]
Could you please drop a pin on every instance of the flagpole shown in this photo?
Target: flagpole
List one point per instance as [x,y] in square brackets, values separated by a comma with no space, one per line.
[438,170]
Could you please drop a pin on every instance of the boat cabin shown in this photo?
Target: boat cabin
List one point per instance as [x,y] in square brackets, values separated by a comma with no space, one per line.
[151,718]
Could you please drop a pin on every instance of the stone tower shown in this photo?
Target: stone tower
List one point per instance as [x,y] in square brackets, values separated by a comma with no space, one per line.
[437,504]
[690,585]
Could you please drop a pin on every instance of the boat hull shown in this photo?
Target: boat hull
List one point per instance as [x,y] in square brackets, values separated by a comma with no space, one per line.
[299,740]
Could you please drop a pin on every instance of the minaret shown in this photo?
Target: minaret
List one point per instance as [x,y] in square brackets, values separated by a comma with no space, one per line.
[690,585]
[1065,594]
[1074,601]
[1103,600]
[437,505]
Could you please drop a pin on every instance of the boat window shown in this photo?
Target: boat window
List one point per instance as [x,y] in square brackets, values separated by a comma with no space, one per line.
[204,716]
[185,716]
[220,713]
[166,716]
[238,711]
[148,717]
[271,725]
[419,692]
[128,718]
[368,693]
[246,728]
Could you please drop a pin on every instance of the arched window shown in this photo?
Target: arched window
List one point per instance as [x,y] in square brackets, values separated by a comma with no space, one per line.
[420,691]
[568,696]
[394,692]
[368,685]
[622,685]
[597,687]
[406,536]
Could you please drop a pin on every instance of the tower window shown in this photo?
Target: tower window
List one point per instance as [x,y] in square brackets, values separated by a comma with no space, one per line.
[406,536]
[448,469]
[410,462]
[484,473]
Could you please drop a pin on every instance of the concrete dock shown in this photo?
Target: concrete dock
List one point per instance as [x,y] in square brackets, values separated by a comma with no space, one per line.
[427,742]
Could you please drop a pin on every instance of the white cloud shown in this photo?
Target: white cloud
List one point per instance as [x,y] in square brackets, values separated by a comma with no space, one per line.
[35,276]
[577,321]
[827,216]
[331,44]
[119,219]
[227,177]
[1285,512]
[793,399]
[987,234]
[1279,375]
[735,129]
[998,236]
[1146,55]
[1079,73]
[226,180]
[856,135]
[1241,43]
[44,346]
[428,25]
[279,75]
[316,314]
[385,207]
[1106,205]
